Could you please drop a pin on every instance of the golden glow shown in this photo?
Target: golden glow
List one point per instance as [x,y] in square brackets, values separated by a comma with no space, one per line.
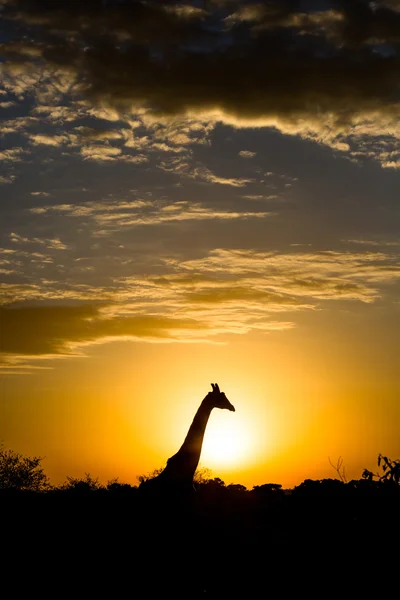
[227,441]
[125,410]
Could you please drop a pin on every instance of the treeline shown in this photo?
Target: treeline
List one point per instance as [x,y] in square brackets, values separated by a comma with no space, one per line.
[324,538]
[24,473]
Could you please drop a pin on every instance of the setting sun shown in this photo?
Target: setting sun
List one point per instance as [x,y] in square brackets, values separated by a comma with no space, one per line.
[227,442]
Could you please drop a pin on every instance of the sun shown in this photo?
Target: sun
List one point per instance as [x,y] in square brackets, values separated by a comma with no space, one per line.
[227,442]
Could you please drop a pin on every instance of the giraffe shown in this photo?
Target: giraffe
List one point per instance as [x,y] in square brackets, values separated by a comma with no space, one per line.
[180,468]
[171,515]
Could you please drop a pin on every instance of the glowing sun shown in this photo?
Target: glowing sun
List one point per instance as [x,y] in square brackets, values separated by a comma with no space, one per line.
[226,442]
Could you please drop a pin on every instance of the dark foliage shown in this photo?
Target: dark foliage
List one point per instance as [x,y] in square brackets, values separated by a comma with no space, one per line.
[323,538]
[18,472]
[390,468]
[81,485]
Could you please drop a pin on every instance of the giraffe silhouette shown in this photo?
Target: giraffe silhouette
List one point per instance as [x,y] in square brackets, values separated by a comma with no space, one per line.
[180,469]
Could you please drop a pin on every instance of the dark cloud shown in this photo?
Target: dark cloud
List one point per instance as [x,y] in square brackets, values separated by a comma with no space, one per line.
[123,20]
[250,60]
[343,22]
[44,330]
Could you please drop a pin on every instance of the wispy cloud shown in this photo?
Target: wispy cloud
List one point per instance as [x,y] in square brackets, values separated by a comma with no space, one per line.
[224,292]
[247,154]
[11,155]
[7,178]
[117,214]
[183,167]
[55,243]
[48,140]
[317,276]
[100,153]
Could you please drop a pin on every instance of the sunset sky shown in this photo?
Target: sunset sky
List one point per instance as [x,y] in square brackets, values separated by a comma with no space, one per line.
[200,192]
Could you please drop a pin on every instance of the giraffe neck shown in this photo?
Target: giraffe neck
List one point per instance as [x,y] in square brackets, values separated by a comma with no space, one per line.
[182,466]
[194,438]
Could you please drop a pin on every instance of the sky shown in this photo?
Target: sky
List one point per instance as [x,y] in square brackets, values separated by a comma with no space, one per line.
[200,192]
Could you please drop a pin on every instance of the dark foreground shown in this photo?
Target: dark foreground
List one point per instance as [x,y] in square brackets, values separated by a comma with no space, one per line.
[325,539]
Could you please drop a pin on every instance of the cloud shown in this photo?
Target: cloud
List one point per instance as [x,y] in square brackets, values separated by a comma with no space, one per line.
[391,164]
[260,197]
[52,330]
[48,140]
[183,167]
[301,275]
[227,291]
[247,154]
[148,65]
[17,124]
[11,155]
[379,243]
[273,51]
[7,178]
[119,139]
[205,174]
[59,115]
[244,295]
[100,153]
[93,133]
[114,215]
[55,243]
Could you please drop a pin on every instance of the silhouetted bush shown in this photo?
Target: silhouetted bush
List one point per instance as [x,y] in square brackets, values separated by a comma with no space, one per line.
[18,472]
[116,487]
[151,475]
[390,468]
[82,485]
[268,490]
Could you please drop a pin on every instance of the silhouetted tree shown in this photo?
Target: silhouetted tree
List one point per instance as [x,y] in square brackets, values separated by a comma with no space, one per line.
[267,488]
[151,475]
[82,484]
[320,487]
[202,475]
[114,485]
[339,468]
[236,487]
[215,483]
[25,473]
[390,468]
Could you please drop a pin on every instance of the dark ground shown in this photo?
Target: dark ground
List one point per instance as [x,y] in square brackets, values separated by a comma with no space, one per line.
[325,539]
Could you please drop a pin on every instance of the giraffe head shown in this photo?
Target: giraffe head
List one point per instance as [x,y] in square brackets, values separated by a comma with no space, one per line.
[218,399]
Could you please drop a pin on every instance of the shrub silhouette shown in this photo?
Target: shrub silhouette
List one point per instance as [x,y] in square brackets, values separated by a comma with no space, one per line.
[390,468]
[22,473]
[116,486]
[82,485]
[151,475]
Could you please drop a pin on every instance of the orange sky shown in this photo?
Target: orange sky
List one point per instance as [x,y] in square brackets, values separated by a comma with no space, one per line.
[124,409]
